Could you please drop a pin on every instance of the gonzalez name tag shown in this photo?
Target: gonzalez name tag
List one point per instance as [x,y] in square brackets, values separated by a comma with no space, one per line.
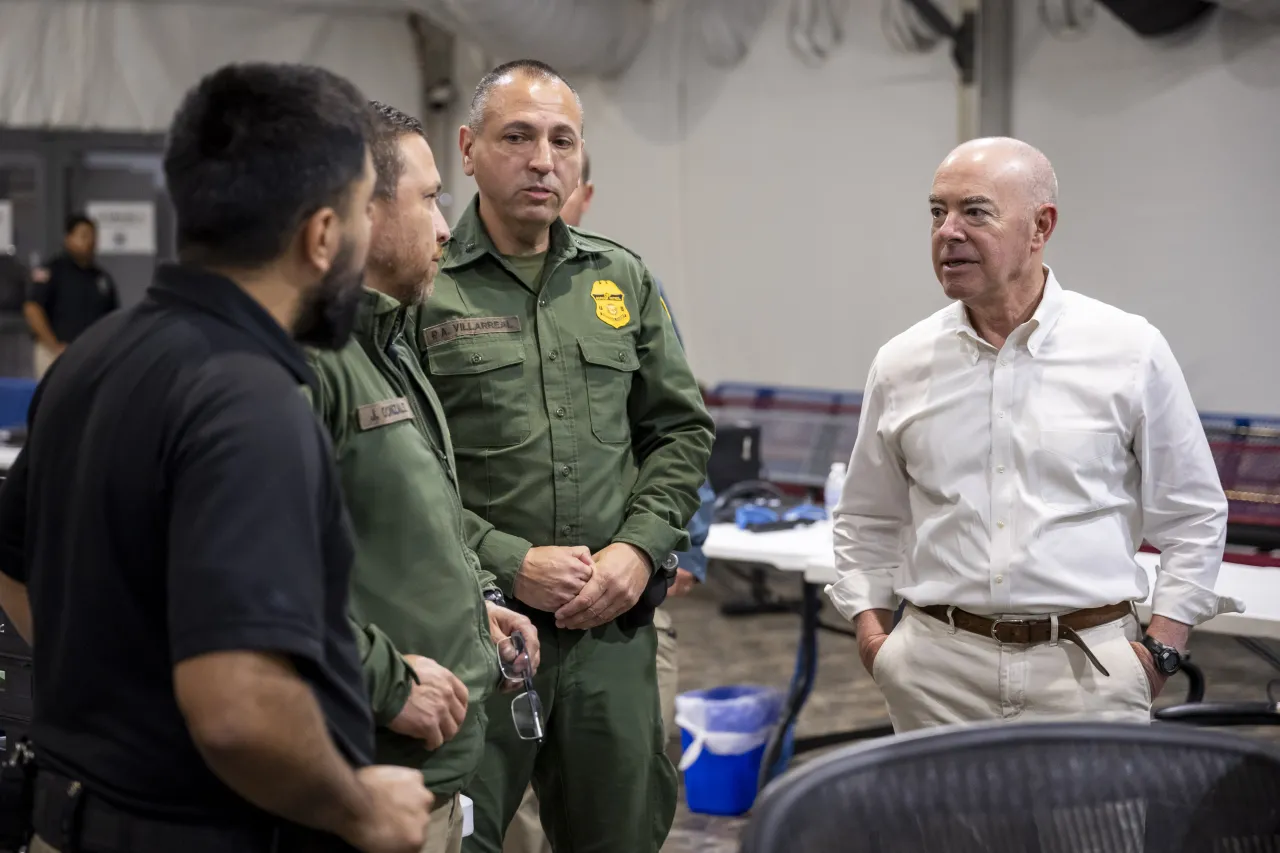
[381,414]
[434,336]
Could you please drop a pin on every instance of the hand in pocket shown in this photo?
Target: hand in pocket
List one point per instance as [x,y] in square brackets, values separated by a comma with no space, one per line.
[1155,678]
[869,650]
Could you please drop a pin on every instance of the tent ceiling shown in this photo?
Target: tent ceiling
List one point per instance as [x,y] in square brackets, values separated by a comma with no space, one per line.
[357,6]
[577,36]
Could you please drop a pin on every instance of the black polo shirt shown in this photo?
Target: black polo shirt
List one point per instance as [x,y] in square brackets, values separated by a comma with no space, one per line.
[176,497]
[74,297]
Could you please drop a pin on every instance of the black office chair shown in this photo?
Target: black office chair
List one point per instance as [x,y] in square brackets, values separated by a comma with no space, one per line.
[1031,788]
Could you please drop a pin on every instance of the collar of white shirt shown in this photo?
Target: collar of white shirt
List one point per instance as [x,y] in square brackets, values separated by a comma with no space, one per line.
[1037,328]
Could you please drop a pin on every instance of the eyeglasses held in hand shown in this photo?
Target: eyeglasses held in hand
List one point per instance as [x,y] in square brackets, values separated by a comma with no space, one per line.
[526,708]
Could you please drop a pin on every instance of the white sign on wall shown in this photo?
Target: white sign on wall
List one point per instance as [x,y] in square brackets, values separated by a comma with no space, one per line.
[124,227]
[6,226]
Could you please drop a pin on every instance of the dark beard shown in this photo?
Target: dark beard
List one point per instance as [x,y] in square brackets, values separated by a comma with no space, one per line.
[328,313]
[412,293]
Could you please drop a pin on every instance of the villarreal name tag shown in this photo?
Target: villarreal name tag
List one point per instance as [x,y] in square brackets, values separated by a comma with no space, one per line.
[434,336]
[611,305]
[381,414]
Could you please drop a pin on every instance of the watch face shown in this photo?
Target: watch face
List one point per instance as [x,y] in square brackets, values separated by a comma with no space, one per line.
[1168,662]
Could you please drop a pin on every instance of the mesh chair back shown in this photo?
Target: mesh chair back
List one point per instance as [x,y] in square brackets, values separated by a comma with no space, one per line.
[1034,788]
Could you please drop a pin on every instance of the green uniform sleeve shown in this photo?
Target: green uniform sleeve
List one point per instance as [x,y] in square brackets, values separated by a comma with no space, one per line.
[671,435]
[487,578]
[387,676]
[501,554]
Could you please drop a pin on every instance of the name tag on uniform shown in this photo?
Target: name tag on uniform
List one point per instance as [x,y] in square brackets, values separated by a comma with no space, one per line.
[387,412]
[445,332]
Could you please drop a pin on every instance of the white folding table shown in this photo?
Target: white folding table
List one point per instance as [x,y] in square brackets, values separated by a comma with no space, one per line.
[807,551]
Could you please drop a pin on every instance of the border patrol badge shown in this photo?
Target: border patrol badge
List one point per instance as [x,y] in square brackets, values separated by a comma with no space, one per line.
[611,307]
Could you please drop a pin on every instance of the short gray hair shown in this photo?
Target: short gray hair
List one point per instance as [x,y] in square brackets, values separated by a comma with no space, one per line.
[529,67]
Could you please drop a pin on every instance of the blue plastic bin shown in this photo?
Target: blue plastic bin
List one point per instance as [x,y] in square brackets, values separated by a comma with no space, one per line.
[733,723]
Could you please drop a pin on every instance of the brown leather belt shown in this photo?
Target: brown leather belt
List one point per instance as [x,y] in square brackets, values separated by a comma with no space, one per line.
[1035,630]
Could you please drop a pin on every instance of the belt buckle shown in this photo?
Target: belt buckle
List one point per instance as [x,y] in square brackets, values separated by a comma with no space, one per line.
[995,623]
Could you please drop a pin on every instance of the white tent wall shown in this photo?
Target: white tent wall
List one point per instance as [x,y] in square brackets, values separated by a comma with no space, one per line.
[1168,156]
[75,65]
[776,190]
[770,190]
[776,186]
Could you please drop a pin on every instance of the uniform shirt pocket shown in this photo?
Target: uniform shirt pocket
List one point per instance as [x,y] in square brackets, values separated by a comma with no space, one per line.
[1078,469]
[610,363]
[482,388]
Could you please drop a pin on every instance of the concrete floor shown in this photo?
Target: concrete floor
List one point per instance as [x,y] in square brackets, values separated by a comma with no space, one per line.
[717,650]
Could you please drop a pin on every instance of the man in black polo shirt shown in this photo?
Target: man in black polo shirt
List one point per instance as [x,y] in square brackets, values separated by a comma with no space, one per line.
[177,524]
[70,295]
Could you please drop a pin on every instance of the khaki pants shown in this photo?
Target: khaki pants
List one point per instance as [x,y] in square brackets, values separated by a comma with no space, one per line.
[42,358]
[444,833]
[524,833]
[668,671]
[932,676]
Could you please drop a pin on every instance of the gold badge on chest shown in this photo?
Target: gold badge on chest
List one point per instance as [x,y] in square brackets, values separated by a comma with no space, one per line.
[611,306]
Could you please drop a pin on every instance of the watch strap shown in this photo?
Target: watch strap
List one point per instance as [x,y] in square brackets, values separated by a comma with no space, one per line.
[1167,659]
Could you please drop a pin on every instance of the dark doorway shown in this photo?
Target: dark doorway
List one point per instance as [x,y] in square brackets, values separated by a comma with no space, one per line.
[47,175]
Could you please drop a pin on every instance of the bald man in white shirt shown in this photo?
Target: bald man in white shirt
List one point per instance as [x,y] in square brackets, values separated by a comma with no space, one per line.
[1014,451]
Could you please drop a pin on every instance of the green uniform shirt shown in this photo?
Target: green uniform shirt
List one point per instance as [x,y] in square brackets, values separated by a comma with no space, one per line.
[416,586]
[575,417]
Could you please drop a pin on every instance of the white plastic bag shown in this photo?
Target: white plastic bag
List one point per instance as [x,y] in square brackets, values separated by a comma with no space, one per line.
[727,720]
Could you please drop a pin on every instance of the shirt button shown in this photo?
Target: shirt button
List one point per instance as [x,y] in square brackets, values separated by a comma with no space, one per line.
[622,356]
[1000,524]
[1004,362]
[566,530]
[560,412]
[1002,416]
[565,470]
[999,578]
[477,358]
[1000,469]
[553,355]
[542,303]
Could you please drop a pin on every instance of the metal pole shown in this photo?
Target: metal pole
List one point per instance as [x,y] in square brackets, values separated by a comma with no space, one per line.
[994,77]
[435,50]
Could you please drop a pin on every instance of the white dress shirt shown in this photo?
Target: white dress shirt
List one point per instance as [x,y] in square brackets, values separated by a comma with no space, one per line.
[1023,480]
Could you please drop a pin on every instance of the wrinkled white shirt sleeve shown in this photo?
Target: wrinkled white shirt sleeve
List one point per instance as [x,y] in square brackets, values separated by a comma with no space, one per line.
[873,512]
[1184,507]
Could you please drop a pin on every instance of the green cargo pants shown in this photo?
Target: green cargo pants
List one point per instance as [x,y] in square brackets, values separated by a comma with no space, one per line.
[601,775]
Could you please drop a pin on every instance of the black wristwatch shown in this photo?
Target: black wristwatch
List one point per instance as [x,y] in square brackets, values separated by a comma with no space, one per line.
[1167,658]
[496,596]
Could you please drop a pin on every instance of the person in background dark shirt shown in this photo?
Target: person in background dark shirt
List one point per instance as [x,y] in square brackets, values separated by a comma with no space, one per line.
[69,295]
[173,539]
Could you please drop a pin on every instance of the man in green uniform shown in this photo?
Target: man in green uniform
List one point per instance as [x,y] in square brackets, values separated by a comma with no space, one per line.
[425,631]
[581,441]
[524,833]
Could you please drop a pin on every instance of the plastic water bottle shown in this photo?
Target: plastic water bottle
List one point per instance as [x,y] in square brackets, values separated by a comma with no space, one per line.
[835,485]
